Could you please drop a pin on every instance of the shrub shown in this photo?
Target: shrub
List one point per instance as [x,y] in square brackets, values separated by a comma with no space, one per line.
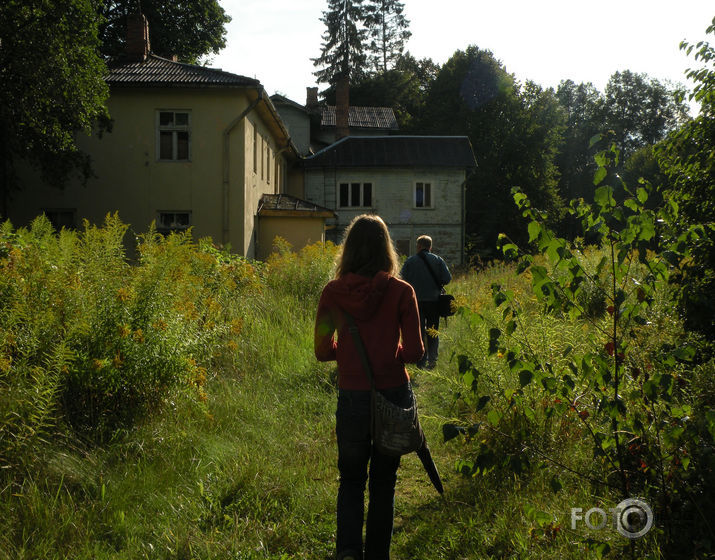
[625,391]
[95,343]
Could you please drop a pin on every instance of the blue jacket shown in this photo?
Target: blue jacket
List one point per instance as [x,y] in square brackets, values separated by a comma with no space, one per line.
[415,272]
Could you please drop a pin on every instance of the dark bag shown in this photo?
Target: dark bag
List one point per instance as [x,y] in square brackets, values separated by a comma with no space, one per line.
[445,306]
[446,309]
[395,430]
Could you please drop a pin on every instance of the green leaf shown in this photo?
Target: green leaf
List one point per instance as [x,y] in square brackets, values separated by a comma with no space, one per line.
[525,377]
[464,363]
[632,204]
[600,175]
[493,417]
[685,353]
[534,231]
[555,484]
[510,250]
[494,335]
[647,230]
[483,400]
[520,198]
[642,195]
[604,197]
[451,431]
[549,384]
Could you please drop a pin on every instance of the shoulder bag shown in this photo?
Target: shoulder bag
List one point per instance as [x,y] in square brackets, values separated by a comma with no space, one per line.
[445,300]
[395,430]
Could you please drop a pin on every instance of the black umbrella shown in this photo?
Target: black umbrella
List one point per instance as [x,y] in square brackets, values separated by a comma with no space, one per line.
[426,457]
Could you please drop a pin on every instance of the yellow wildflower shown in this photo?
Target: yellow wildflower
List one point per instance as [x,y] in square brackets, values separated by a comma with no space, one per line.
[123,294]
[117,361]
[160,325]
[138,335]
[200,376]
[124,331]
[236,326]
[5,363]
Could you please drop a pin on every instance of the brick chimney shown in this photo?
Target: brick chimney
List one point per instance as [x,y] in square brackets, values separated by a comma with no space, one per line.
[311,98]
[342,108]
[138,47]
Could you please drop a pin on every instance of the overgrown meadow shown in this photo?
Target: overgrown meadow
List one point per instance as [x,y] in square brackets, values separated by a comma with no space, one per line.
[169,406]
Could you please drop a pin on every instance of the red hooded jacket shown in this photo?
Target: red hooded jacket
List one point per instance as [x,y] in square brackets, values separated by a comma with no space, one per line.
[384,308]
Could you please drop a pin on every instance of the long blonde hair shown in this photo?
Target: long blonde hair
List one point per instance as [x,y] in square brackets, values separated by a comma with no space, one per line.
[367,248]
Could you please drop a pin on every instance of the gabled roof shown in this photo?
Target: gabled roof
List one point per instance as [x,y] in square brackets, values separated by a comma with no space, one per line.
[287,205]
[279,99]
[396,151]
[362,117]
[160,72]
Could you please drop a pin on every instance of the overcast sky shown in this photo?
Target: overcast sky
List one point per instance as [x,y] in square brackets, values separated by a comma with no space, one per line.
[545,41]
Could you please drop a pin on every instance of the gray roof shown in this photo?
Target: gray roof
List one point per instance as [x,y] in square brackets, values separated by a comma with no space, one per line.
[156,71]
[279,99]
[362,117]
[281,204]
[396,151]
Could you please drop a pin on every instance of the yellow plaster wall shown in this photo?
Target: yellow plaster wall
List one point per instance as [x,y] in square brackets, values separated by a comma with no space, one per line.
[299,232]
[129,179]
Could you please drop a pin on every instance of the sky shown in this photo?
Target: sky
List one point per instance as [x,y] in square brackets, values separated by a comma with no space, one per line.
[545,41]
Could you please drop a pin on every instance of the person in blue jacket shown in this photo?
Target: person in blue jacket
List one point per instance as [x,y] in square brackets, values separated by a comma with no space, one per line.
[428,286]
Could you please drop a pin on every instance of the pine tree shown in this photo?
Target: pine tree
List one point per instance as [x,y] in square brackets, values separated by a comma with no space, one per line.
[343,50]
[387,28]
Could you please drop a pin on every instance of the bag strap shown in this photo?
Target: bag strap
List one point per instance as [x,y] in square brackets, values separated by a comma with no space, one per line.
[355,332]
[431,271]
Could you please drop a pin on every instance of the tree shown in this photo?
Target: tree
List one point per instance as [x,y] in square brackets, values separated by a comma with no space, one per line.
[640,110]
[52,87]
[189,30]
[404,88]
[514,131]
[343,50]
[582,105]
[687,157]
[387,29]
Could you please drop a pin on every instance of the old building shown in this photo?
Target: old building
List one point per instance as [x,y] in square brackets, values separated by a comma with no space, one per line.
[415,183]
[190,146]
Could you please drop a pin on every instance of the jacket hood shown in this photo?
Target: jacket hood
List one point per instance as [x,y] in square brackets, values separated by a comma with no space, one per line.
[359,295]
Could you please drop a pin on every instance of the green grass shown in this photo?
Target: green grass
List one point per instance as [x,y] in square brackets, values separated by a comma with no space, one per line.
[252,473]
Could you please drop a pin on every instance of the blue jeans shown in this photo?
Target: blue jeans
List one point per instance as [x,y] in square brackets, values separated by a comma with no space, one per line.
[355,451]
[429,319]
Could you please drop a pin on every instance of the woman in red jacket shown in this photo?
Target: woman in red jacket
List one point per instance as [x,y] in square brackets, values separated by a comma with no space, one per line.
[385,312]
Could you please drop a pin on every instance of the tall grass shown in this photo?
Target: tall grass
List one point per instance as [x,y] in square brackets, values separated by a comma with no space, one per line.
[212,433]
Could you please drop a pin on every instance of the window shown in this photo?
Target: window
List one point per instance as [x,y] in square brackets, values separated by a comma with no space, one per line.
[173,221]
[423,195]
[263,157]
[61,218]
[355,195]
[255,150]
[174,135]
[268,163]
